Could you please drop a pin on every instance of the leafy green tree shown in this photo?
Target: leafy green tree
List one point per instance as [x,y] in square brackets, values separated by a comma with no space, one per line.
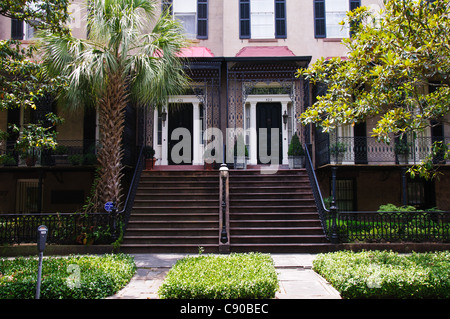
[42,14]
[120,62]
[397,69]
[22,80]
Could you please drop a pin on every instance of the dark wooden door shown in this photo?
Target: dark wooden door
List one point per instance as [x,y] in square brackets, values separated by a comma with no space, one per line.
[180,116]
[268,115]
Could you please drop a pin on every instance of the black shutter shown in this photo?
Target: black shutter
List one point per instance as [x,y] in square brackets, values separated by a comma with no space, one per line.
[280,19]
[354,4]
[319,19]
[167,6]
[202,19]
[16,29]
[244,19]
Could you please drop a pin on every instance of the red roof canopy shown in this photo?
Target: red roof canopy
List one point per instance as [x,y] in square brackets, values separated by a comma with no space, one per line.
[196,52]
[265,51]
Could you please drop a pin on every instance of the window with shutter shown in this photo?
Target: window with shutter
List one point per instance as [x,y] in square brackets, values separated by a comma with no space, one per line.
[328,15]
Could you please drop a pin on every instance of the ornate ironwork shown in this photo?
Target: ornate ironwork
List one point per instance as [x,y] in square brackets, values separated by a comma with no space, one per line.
[63,228]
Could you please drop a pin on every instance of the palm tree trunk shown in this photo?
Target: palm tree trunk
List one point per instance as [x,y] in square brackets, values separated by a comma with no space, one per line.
[111,122]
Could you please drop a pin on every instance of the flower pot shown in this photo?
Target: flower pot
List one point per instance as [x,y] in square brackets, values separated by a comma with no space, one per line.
[30,161]
[240,162]
[402,159]
[150,163]
[296,162]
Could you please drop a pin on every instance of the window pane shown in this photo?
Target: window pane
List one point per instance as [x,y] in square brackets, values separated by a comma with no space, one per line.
[262,19]
[188,21]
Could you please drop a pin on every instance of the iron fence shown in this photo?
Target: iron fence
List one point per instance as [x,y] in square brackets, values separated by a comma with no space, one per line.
[377,227]
[63,228]
[392,227]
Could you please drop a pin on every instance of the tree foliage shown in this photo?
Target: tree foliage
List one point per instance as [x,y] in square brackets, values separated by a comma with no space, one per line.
[397,69]
[22,80]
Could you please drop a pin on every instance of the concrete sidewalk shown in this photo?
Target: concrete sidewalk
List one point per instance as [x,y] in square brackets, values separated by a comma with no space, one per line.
[296,278]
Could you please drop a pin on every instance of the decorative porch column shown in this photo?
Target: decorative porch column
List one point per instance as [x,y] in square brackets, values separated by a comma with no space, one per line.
[253,135]
[197,160]
[165,142]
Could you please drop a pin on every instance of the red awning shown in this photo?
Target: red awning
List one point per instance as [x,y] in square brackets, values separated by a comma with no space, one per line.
[196,52]
[265,51]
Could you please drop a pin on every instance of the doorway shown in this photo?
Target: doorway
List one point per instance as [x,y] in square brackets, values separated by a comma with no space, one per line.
[268,115]
[180,116]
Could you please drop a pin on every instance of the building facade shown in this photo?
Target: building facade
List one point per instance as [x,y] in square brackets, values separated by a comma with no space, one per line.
[243,60]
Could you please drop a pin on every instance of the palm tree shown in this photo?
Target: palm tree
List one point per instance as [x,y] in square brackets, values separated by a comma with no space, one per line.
[118,63]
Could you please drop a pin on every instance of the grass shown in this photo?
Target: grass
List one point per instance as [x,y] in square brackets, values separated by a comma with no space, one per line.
[73,277]
[383,274]
[232,276]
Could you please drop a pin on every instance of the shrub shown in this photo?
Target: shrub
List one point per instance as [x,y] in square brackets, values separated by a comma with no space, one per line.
[382,274]
[234,276]
[295,147]
[74,277]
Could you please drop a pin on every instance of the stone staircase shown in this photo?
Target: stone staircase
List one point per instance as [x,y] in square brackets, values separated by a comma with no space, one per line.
[274,213]
[174,211]
[178,211]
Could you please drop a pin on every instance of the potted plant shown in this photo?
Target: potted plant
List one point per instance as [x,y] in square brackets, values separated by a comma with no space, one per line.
[296,153]
[402,149]
[337,152]
[149,155]
[240,160]
[60,156]
[8,160]
[36,137]
[208,158]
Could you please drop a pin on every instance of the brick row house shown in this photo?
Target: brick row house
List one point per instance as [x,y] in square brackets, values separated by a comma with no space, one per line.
[242,61]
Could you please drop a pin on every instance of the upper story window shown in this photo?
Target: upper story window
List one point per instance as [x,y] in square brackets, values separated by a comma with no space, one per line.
[327,17]
[21,30]
[262,19]
[193,15]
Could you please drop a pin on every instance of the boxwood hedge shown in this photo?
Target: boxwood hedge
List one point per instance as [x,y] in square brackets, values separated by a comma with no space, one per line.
[73,277]
[386,274]
[233,276]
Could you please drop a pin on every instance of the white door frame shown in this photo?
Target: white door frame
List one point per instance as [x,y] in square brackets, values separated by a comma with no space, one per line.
[253,100]
[162,151]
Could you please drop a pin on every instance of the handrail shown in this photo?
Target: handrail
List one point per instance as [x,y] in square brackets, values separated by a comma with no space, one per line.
[126,211]
[323,211]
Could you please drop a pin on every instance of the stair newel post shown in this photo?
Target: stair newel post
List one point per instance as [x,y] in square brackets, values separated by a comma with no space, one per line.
[224,241]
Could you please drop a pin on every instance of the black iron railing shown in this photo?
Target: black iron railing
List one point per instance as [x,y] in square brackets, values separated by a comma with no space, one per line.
[72,228]
[63,228]
[368,150]
[66,153]
[324,213]
[128,206]
[393,227]
[358,226]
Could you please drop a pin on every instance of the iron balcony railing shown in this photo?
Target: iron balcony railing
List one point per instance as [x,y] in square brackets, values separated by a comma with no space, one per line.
[66,153]
[368,150]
